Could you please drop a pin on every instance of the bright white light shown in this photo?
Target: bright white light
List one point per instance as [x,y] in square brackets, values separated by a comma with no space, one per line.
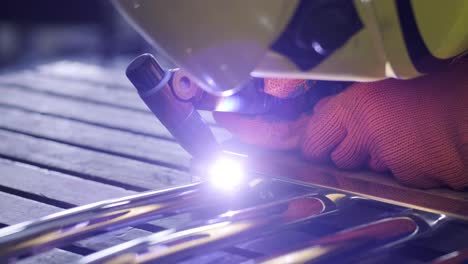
[228,104]
[226,174]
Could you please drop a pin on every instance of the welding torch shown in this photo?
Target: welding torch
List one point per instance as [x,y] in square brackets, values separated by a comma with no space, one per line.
[174,98]
[180,118]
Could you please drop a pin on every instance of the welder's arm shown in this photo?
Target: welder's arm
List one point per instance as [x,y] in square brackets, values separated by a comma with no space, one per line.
[416,129]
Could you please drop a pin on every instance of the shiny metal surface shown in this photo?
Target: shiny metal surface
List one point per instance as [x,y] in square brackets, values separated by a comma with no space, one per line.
[354,242]
[457,257]
[228,228]
[260,209]
[85,221]
[53,230]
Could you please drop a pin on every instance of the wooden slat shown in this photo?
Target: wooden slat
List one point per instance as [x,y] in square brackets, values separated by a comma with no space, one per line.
[17,209]
[74,89]
[55,256]
[103,139]
[87,112]
[65,188]
[112,73]
[92,113]
[54,185]
[102,167]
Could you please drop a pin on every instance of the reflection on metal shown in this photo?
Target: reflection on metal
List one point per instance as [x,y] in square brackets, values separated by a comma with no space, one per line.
[457,257]
[301,256]
[65,227]
[355,240]
[233,227]
[57,229]
[361,239]
[260,209]
[93,224]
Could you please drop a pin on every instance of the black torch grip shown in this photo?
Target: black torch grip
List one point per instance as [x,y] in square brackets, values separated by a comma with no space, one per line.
[180,118]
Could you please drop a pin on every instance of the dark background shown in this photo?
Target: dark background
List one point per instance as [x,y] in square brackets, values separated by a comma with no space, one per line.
[38,30]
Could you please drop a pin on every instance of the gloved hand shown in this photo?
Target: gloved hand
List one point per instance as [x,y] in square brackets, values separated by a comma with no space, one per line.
[416,129]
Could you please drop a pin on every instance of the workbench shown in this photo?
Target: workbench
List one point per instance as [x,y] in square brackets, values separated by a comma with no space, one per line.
[75,132]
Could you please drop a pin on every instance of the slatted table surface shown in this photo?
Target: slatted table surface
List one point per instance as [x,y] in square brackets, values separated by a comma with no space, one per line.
[74,132]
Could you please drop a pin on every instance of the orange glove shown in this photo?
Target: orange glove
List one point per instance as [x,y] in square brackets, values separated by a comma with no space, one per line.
[417,129]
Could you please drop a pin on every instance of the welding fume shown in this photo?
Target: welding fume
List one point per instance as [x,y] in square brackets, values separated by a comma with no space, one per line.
[375,85]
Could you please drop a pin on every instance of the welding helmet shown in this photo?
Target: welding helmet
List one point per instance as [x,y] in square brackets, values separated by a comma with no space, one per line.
[221,43]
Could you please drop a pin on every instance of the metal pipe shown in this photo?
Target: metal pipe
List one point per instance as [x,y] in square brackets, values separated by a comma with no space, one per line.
[354,242]
[229,228]
[68,226]
[457,257]
[84,221]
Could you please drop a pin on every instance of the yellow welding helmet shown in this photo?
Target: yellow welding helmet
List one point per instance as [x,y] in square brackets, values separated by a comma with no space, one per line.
[221,43]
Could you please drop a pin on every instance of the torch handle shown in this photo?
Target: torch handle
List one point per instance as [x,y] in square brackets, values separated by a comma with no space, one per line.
[180,118]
